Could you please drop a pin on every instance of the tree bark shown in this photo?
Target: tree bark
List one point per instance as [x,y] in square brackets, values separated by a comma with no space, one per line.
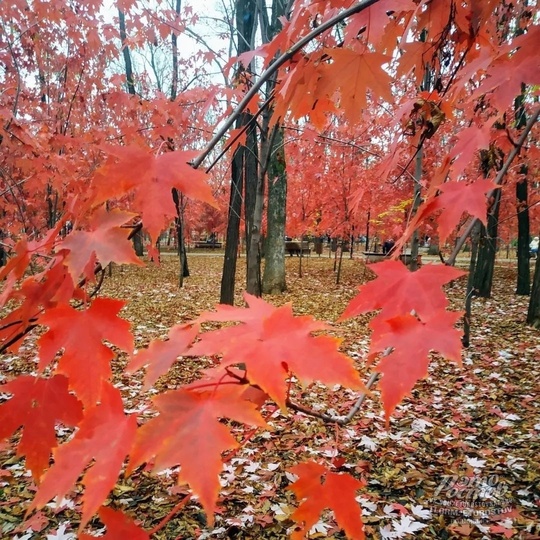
[246,11]
[483,272]
[274,278]
[533,314]
[523,261]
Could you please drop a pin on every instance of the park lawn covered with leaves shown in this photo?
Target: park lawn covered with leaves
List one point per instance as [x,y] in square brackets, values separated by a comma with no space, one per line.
[480,420]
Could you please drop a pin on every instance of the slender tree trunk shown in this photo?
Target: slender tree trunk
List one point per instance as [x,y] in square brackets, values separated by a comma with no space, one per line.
[246,11]
[274,280]
[485,266]
[533,314]
[233,228]
[174,43]
[138,245]
[130,81]
[413,265]
[467,317]
[523,261]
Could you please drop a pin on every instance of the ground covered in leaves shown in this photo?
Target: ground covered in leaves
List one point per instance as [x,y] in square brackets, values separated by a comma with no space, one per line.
[461,457]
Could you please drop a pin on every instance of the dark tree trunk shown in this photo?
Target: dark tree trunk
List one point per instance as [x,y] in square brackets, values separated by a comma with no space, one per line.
[246,18]
[233,229]
[183,272]
[533,314]
[467,317]
[523,264]
[483,273]
[125,50]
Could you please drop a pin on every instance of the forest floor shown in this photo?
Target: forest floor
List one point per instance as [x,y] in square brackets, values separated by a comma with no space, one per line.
[475,426]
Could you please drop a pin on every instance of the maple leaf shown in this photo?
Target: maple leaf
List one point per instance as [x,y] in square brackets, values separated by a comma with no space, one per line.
[38,405]
[86,360]
[411,340]
[457,198]
[119,526]
[160,355]
[272,342]
[104,437]
[106,241]
[397,290]
[353,73]
[152,178]
[319,489]
[188,432]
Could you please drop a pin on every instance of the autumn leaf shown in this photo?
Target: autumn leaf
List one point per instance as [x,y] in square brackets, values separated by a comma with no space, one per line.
[188,433]
[86,359]
[397,290]
[319,489]
[152,179]
[38,405]
[353,73]
[106,241]
[411,341]
[160,355]
[119,526]
[102,441]
[272,343]
[457,198]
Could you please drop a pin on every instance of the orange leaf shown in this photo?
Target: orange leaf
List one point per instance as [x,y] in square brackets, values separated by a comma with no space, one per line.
[411,340]
[319,488]
[106,241]
[38,405]
[272,342]
[104,437]
[188,432]
[353,73]
[152,178]
[160,355]
[86,360]
[457,198]
[398,291]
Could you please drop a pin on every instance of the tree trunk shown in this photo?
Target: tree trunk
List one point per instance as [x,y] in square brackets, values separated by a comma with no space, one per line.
[523,264]
[253,201]
[467,317]
[183,272]
[274,281]
[125,50]
[233,228]
[533,314]
[246,11]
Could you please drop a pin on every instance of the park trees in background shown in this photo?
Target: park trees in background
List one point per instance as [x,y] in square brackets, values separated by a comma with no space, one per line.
[76,147]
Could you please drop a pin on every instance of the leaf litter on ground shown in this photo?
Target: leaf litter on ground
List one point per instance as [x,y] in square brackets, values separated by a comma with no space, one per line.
[479,422]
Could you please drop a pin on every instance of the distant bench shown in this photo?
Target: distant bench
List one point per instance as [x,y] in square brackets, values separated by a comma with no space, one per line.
[297,248]
[372,257]
[207,245]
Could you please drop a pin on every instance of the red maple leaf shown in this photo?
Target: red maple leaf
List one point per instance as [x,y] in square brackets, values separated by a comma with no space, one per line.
[272,343]
[319,489]
[103,440]
[398,291]
[152,179]
[411,341]
[188,432]
[160,355]
[454,199]
[353,72]
[119,526]
[106,241]
[38,405]
[86,360]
